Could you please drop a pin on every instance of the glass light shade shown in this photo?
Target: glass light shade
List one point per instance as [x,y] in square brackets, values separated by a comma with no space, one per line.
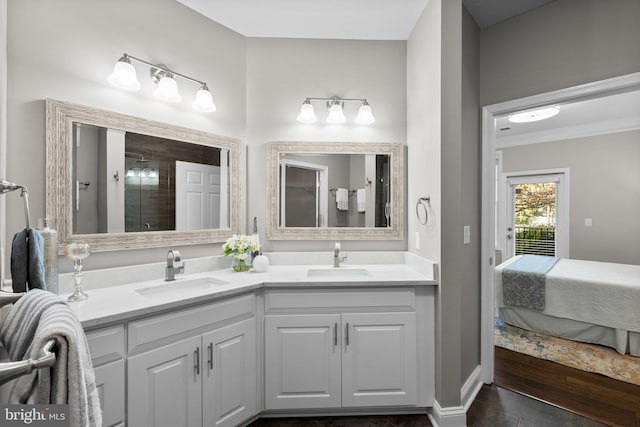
[124,76]
[203,101]
[534,115]
[167,90]
[307,114]
[335,114]
[365,116]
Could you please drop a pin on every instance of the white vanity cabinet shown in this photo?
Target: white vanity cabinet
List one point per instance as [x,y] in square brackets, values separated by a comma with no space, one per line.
[106,346]
[338,348]
[194,367]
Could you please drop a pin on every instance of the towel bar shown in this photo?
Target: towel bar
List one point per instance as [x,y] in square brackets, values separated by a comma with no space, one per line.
[11,370]
[9,297]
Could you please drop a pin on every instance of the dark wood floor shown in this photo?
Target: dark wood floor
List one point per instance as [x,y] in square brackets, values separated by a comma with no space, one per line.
[493,407]
[595,396]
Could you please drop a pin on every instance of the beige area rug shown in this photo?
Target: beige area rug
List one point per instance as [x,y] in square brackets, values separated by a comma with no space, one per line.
[587,357]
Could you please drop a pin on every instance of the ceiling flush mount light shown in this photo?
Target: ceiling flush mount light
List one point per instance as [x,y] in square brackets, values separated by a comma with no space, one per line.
[534,115]
[124,77]
[335,105]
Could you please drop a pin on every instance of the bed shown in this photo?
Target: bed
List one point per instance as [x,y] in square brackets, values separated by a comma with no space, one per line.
[588,301]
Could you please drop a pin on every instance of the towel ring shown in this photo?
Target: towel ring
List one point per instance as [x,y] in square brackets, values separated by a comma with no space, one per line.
[425,203]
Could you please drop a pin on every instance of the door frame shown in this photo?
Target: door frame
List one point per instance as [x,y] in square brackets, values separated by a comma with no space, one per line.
[322,199]
[489,113]
[563,211]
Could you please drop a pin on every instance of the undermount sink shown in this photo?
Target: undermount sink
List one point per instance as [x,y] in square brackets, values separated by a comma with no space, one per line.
[181,286]
[337,272]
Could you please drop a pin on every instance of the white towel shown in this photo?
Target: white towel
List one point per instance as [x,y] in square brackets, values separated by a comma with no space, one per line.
[361,199]
[342,199]
[36,318]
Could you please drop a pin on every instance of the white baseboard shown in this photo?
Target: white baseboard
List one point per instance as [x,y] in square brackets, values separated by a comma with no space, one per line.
[453,416]
[456,416]
[471,388]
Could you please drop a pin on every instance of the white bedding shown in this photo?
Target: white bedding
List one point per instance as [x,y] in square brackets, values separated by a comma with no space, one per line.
[601,293]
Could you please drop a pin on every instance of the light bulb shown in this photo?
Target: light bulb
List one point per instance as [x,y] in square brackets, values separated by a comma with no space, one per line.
[365,116]
[124,75]
[203,101]
[335,114]
[167,89]
[306,113]
[534,115]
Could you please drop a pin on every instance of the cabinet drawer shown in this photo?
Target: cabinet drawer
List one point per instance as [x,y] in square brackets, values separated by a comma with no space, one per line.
[155,330]
[287,300]
[106,345]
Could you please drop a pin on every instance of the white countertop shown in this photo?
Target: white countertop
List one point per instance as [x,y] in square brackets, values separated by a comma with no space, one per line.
[119,303]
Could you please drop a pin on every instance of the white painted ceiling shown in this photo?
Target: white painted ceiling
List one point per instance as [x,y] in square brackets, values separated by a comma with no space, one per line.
[394,20]
[340,19]
[598,116]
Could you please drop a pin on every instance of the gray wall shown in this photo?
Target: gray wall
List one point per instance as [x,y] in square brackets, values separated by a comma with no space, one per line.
[471,191]
[443,135]
[604,186]
[65,49]
[561,44]
[70,46]
[282,72]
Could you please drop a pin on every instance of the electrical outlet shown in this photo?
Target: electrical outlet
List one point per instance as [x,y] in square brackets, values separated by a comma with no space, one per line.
[588,222]
[417,240]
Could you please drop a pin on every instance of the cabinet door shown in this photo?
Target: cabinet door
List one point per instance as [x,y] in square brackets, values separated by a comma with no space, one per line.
[302,361]
[165,386]
[110,384]
[379,359]
[229,374]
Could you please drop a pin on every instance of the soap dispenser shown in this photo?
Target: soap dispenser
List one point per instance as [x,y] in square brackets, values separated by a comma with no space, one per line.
[50,252]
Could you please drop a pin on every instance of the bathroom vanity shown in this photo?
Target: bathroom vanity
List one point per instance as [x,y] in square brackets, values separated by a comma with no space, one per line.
[221,348]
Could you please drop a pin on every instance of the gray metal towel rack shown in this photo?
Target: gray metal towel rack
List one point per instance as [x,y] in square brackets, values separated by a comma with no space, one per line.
[11,370]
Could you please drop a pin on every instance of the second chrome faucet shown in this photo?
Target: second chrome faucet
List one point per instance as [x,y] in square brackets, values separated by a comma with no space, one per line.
[171,270]
[337,258]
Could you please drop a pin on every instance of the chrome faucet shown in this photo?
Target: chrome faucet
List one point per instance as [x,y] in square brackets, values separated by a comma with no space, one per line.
[337,258]
[171,271]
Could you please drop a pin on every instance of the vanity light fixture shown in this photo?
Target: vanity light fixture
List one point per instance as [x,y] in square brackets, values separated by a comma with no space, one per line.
[335,105]
[124,77]
[534,115]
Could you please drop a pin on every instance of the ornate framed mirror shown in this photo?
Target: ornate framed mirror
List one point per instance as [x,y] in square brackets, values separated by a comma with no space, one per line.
[122,182]
[335,191]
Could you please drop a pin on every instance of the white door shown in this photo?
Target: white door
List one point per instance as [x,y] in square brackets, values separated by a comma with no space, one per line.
[229,374]
[302,360]
[164,386]
[197,196]
[379,366]
[537,214]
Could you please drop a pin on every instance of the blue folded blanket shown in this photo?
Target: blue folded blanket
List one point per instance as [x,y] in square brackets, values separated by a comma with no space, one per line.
[27,261]
[524,281]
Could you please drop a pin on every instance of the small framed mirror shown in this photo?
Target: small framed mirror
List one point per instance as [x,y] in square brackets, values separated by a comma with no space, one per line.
[123,182]
[335,191]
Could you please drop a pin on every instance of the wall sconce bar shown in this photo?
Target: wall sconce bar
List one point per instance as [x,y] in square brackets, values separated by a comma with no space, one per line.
[335,105]
[124,77]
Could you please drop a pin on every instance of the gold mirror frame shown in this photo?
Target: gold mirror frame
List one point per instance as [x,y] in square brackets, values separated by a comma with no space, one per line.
[59,177]
[394,150]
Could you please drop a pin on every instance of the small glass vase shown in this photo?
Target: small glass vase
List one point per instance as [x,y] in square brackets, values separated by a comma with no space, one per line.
[77,252]
[240,265]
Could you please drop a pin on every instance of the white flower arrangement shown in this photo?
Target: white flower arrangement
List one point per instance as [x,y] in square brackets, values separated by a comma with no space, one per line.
[241,246]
